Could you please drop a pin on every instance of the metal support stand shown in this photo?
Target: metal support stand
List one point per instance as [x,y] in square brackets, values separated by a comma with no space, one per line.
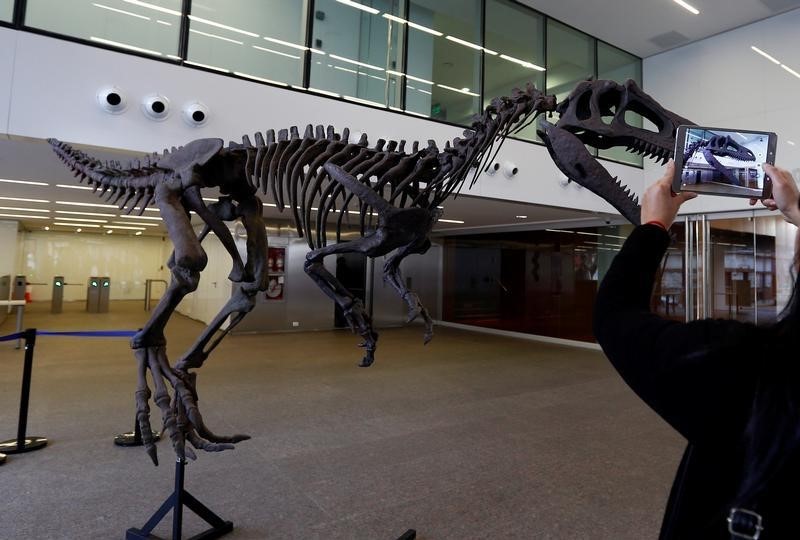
[175,502]
[23,443]
[134,438]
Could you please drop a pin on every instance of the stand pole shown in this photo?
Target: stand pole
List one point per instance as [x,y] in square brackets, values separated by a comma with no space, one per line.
[134,438]
[175,502]
[24,443]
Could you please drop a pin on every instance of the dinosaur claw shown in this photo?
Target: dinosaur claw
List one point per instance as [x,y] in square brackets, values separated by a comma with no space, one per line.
[153,453]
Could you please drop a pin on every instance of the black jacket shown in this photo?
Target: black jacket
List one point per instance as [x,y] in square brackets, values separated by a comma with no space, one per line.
[701,377]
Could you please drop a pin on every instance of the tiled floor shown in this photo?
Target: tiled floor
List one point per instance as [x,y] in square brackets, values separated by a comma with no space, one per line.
[469,437]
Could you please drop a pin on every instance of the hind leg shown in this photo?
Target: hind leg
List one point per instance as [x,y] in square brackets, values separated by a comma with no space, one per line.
[393,276]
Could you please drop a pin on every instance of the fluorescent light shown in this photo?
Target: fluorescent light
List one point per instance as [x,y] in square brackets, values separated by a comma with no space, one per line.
[317,51]
[82,220]
[134,223]
[109,231]
[207,66]
[788,142]
[286,43]
[215,36]
[165,23]
[765,55]
[69,203]
[465,43]
[154,218]
[69,186]
[521,217]
[248,76]
[419,80]
[523,63]
[18,209]
[362,7]
[210,199]
[348,70]
[147,209]
[47,228]
[560,230]
[687,7]
[138,233]
[78,225]
[363,101]
[589,233]
[790,70]
[424,91]
[24,217]
[27,182]
[424,29]
[275,52]
[356,62]
[459,90]
[154,7]
[223,26]
[84,213]
[395,73]
[20,199]
[394,18]
[121,11]
[325,92]
[122,227]
[451,221]
[124,46]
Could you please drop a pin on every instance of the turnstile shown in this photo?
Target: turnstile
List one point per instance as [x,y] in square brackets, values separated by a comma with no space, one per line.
[18,288]
[93,295]
[105,288]
[58,295]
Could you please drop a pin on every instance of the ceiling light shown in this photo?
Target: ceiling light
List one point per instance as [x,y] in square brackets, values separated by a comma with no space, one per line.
[268,81]
[121,11]
[83,213]
[138,233]
[76,225]
[451,221]
[424,29]
[459,90]
[154,7]
[364,101]
[765,55]
[279,53]
[82,220]
[560,230]
[790,70]
[286,43]
[78,230]
[207,66]
[69,186]
[109,231]
[96,205]
[788,142]
[140,217]
[523,63]
[23,200]
[465,43]
[356,62]
[136,223]
[362,7]
[47,228]
[28,182]
[122,227]
[24,217]
[394,18]
[165,23]
[325,92]
[18,208]
[521,217]
[688,7]
[223,26]
[215,36]
[124,46]
[419,80]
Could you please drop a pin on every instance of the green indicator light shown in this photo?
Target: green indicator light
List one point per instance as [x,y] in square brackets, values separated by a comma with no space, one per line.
[94,284]
[105,284]
[58,284]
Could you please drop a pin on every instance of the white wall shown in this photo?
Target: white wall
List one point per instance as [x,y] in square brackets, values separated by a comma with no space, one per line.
[127,260]
[52,87]
[722,82]
[8,248]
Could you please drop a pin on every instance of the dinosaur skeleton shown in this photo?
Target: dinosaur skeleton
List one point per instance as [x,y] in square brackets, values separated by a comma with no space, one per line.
[400,191]
[723,146]
[594,114]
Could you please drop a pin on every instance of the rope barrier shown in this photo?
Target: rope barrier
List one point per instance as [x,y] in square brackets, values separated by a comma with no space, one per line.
[11,337]
[94,333]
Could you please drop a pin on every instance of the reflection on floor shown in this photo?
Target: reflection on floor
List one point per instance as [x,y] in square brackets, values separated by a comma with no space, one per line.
[469,437]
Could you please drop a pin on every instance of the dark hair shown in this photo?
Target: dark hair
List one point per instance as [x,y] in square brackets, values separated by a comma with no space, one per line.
[772,434]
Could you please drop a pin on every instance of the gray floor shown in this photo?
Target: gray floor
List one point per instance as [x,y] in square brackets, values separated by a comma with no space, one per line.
[470,437]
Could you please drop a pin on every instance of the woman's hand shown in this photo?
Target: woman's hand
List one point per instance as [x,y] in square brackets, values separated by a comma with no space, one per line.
[785,195]
[659,203]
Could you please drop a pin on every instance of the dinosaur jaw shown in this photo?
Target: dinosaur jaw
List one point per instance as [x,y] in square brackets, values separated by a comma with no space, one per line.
[570,155]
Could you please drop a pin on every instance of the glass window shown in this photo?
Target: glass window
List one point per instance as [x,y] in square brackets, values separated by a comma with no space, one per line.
[617,65]
[516,34]
[6,10]
[570,58]
[258,39]
[151,27]
[359,50]
[444,59]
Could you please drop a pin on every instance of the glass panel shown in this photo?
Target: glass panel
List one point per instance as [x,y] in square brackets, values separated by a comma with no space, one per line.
[517,35]
[259,39]
[150,27]
[362,48]
[732,269]
[7,10]
[775,245]
[669,293]
[617,65]
[443,75]
[537,282]
[570,58]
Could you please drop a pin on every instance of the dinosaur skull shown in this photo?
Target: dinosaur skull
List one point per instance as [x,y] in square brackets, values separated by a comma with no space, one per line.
[594,114]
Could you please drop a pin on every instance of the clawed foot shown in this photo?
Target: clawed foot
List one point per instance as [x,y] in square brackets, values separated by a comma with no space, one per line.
[415,310]
[181,417]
